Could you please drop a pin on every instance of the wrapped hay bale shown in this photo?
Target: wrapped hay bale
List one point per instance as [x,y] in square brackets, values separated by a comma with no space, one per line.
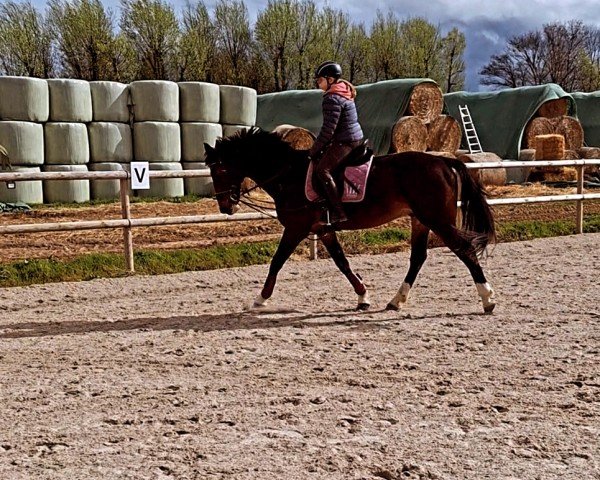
[238,105]
[110,101]
[110,142]
[198,185]
[156,142]
[66,191]
[164,187]
[570,128]
[426,102]
[487,176]
[229,130]
[70,100]
[24,142]
[193,138]
[24,99]
[155,101]
[27,192]
[443,134]
[105,189]
[521,174]
[199,102]
[537,126]
[66,143]
[409,134]
[549,147]
[554,108]
[299,138]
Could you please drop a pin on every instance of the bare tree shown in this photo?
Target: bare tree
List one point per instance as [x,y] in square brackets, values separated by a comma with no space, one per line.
[453,47]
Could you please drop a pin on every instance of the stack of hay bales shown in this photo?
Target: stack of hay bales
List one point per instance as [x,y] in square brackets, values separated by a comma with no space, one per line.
[199,116]
[156,133]
[66,139]
[111,147]
[238,108]
[24,105]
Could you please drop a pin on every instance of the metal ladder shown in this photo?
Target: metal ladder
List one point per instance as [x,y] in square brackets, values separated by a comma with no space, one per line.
[469,129]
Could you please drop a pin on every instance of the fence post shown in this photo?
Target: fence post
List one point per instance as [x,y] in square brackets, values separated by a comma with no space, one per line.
[312,241]
[579,205]
[126,214]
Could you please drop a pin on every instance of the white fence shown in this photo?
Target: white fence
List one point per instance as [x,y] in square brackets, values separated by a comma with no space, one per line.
[127,223]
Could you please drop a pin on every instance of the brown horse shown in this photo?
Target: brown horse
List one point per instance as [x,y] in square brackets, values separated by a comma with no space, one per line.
[422,186]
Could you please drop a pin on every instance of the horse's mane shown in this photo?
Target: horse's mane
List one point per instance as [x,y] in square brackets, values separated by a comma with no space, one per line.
[255,140]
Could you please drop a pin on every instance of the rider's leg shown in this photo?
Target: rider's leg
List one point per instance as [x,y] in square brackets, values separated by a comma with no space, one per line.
[332,157]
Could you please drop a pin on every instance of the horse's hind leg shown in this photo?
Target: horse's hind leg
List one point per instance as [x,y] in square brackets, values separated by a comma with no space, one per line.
[336,252]
[418,254]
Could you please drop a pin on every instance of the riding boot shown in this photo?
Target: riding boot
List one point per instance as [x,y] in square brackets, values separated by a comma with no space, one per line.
[336,210]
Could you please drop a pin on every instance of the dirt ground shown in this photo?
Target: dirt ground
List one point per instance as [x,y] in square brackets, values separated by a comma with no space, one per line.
[170,377]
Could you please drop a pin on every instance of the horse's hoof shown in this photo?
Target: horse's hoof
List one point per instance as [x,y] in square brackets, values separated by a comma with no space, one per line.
[363,306]
[489,308]
[391,306]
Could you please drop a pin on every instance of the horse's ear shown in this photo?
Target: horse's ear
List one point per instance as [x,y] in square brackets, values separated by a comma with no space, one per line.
[208,149]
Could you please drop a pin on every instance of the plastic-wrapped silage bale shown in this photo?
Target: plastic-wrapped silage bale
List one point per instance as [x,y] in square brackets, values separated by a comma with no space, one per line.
[66,191]
[66,143]
[25,99]
[24,142]
[156,142]
[110,101]
[30,192]
[198,185]
[164,187]
[110,142]
[238,105]
[229,130]
[105,189]
[193,138]
[199,102]
[70,100]
[155,101]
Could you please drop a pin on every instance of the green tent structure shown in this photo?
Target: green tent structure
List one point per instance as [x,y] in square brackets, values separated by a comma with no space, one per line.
[588,112]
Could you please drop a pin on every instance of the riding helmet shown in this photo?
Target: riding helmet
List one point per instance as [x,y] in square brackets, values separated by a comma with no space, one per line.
[329,69]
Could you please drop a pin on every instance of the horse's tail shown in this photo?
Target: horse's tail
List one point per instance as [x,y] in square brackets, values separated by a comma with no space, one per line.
[477,215]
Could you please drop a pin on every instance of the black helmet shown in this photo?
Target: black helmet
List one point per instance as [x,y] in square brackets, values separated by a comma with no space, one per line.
[329,69]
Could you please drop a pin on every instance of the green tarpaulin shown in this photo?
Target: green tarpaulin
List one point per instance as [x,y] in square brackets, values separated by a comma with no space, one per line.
[588,112]
[379,107]
[500,117]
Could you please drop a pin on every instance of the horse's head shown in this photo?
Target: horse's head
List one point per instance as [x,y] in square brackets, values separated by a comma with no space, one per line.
[227,180]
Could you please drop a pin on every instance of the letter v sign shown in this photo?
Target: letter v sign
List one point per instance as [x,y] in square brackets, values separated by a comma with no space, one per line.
[140,176]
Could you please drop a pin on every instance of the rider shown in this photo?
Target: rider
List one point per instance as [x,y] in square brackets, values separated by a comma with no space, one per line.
[339,135]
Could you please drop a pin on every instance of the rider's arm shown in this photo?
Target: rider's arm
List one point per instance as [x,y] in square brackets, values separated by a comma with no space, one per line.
[332,111]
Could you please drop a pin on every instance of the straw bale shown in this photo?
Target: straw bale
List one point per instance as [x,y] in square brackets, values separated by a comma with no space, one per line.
[24,142]
[164,187]
[443,134]
[156,142]
[155,101]
[299,138]
[554,108]
[66,143]
[409,134]
[110,142]
[66,191]
[24,99]
[105,189]
[110,101]
[70,100]
[229,130]
[549,147]
[194,136]
[30,192]
[238,105]
[199,102]
[198,185]
[537,126]
[487,176]
[571,129]
[426,102]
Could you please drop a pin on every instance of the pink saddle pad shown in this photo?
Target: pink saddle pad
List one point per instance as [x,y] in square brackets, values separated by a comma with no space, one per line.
[355,183]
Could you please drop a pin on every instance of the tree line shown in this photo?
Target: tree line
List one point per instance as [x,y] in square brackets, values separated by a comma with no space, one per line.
[148,39]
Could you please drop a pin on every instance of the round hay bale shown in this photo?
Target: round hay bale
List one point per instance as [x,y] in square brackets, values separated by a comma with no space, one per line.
[110,101]
[30,192]
[24,142]
[571,155]
[443,134]
[571,129]
[487,176]
[193,138]
[155,101]
[110,142]
[554,108]
[426,102]
[238,105]
[409,134]
[584,152]
[549,147]
[229,130]
[460,152]
[299,138]
[198,185]
[441,154]
[156,142]
[66,143]
[537,126]
[105,189]
[199,102]
[70,100]
[66,191]
[24,99]
[164,187]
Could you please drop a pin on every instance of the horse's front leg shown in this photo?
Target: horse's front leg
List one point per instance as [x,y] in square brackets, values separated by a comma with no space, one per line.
[336,252]
[290,239]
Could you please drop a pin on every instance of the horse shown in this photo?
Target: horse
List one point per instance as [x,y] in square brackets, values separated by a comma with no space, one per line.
[417,184]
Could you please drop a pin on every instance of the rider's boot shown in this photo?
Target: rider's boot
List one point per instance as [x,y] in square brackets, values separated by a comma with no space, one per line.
[336,210]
